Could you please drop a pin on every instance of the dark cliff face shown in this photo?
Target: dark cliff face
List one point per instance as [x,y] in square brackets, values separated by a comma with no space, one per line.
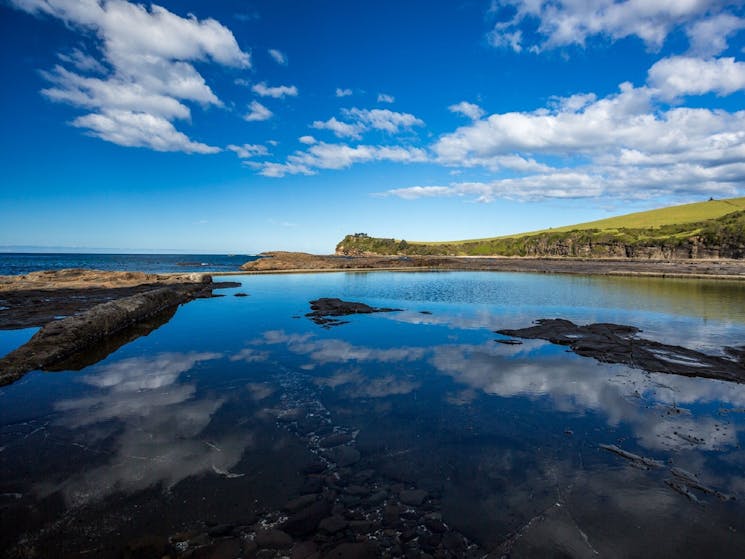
[695,247]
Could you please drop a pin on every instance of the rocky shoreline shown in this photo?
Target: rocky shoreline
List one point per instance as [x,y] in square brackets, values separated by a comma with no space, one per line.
[86,314]
[298,262]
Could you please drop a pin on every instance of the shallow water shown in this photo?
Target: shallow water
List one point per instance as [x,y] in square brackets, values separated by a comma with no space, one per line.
[212,418]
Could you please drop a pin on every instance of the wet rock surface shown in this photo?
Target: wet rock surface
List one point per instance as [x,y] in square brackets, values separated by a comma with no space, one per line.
[84,338]
[324,311]
[614,343]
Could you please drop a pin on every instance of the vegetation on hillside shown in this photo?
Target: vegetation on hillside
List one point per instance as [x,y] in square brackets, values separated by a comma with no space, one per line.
[723,236]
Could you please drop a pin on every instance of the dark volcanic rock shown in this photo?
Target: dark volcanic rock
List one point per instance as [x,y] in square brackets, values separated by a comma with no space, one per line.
[413,497]
[360,550]
[614,343]
[63,339]
[323,309]
[300,503]
[344,456]
[332,524]
[305,521]
[335,440]
[274,539]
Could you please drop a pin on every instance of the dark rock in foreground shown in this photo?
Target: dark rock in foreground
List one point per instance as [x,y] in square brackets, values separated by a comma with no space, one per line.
[614,343]
[323,309]
[66,339]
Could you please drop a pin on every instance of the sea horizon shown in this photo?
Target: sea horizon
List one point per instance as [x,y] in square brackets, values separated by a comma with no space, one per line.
[19,263]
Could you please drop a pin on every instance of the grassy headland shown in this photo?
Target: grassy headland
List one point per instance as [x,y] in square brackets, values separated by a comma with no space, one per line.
[711,229]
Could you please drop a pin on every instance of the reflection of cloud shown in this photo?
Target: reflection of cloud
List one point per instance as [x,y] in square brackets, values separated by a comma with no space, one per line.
[260,390]
[250,356]
[158,426]
[141,373]
[575,385]
[355,385]
[339,351]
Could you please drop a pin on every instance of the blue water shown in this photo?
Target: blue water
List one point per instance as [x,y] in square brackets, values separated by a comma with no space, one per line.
[212,418]
[23,263]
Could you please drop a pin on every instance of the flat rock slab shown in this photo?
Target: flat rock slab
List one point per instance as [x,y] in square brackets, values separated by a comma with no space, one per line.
[324,310]
[615,343]
[63,339]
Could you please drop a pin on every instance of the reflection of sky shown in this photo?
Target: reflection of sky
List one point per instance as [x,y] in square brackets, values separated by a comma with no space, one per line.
[11,339]
[157,429]
[150,418]
[575,384]
[666,412]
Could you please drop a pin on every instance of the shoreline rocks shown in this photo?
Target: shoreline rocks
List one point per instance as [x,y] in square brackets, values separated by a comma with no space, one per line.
[614,343]
[325,309]
[71,337]
[298,262]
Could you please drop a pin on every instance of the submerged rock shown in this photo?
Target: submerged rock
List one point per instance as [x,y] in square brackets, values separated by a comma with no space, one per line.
[615,343]
[635,460]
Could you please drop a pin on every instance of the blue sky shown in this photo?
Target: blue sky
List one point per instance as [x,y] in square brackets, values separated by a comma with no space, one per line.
[234,126]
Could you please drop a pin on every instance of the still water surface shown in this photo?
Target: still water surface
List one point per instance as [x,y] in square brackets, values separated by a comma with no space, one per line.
[216,417]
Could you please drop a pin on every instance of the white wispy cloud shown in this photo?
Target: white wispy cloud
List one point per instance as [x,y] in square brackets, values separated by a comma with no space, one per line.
[247,151]
[146,71]
[307,140]
[277,92]
[359,121]
[278,56]
[257,112]
[385,98]
[338,156]
[559,23]
[470,110]
[82,61]
[343,92]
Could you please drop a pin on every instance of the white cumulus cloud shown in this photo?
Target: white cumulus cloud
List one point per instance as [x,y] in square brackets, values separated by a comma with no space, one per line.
[338,156]
[385,98]
[146,71]
[470,110]
[277,92]
[257,112]
[628,145]
[247,151]
[684,75]
[343,92]
[559,23]
[359,121]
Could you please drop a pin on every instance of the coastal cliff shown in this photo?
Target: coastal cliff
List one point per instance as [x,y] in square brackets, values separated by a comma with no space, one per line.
[720,238]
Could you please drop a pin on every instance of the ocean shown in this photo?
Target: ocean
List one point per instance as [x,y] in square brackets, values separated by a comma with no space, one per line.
[23,263]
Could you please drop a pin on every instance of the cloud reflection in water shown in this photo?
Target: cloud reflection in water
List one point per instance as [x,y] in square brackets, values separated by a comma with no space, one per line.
[157,430]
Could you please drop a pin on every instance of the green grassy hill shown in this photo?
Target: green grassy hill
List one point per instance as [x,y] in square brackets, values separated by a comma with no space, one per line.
[711,229]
